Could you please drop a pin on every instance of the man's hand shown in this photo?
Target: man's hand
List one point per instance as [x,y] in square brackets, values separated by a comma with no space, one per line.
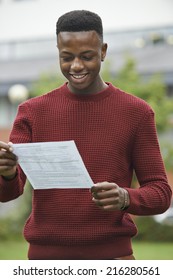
[109,196]
[8,161]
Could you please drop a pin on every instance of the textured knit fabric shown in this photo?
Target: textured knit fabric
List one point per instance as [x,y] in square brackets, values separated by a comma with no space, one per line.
[115,134]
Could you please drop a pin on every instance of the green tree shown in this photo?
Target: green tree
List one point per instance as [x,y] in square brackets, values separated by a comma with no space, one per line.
[153,90]
[46,83]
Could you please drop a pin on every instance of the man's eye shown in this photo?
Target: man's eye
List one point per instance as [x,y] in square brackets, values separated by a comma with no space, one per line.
[66,58]
[87,58]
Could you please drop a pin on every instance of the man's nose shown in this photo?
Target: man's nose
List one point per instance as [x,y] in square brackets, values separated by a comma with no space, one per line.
[77,64]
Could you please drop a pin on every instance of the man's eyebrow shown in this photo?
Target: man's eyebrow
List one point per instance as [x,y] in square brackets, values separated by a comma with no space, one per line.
[84,52]
[65,52]
[88,51]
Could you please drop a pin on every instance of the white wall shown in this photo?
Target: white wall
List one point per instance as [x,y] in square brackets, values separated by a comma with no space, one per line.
[25,19]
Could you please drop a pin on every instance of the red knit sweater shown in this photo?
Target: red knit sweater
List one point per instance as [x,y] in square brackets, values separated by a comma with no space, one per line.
[115,134]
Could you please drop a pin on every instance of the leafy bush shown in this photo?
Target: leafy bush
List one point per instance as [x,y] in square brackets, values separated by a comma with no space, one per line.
[152,90]
[11,227]
[150,230]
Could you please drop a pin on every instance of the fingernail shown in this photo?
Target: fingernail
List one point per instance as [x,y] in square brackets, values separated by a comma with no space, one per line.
[11,149]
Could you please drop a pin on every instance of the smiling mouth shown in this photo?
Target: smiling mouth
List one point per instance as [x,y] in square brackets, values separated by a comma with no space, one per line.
[78,76]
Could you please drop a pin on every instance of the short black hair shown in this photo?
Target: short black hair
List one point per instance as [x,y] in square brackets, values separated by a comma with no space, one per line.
[80,20]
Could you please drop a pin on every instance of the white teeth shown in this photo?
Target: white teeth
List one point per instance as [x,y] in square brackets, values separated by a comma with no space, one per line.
[78,76]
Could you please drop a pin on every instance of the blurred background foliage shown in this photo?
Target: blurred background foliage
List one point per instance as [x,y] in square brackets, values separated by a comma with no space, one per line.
[11,226]
[150,230]
[152,91]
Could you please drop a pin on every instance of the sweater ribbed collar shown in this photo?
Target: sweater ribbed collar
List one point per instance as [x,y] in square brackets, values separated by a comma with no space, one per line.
[92,97]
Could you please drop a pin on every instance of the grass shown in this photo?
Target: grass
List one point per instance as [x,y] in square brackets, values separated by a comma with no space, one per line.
[13,250]
[17,250]
[153,251]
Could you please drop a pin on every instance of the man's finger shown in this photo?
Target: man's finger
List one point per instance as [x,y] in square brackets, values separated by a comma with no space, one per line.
[7,163]
[10,146]
[104,186]
[4,146]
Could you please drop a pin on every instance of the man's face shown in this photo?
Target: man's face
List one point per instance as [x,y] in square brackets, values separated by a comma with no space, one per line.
[80,56]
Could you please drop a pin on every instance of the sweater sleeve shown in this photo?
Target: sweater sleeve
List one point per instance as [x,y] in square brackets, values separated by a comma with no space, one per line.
[21,133]
[12,189]
[154,193]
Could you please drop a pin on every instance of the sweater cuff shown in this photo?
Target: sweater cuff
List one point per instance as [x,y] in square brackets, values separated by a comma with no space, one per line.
[9,189]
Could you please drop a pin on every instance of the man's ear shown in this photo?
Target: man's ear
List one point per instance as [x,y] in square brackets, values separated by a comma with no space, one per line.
[103,52]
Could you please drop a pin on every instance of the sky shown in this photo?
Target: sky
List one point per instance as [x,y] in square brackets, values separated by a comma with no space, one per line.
[37,18]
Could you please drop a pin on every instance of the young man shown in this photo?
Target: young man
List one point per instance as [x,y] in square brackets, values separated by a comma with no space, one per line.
[115,134]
